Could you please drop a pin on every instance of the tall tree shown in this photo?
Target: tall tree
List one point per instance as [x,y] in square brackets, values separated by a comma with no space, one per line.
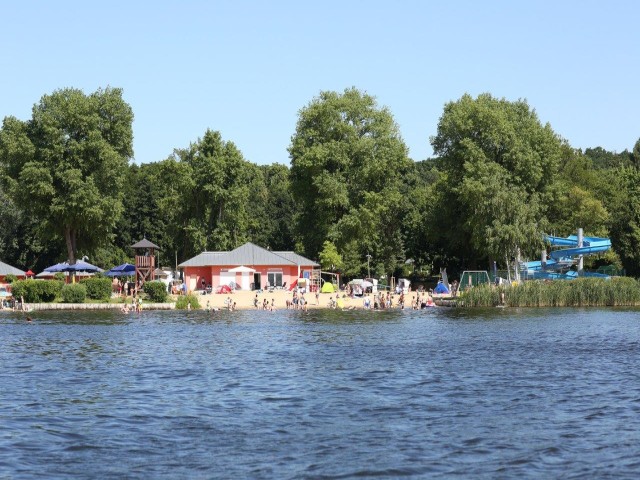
[498,162]
[635,154]
[66,165]
[273,207]
[624,222]
[208,187]
[347,163]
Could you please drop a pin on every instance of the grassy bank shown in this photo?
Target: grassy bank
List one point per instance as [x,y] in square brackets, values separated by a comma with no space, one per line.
[582,292]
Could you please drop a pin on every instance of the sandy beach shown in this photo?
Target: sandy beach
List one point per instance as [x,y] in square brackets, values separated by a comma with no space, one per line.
[244,300]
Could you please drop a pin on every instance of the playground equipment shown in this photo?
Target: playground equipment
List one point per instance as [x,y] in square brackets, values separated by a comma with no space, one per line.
[558,265]
[472,278]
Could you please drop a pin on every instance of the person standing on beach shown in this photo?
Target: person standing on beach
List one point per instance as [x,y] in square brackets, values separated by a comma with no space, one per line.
[303,303]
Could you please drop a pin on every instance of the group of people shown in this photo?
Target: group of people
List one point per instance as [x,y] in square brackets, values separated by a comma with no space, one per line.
[382,301]
[136,305]
[265,304]
[298,302]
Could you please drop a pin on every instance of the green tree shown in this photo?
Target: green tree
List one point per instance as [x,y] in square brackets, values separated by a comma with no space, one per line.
[66,165]
[635,154]
[347,165]
[330,259]
[272,209]
[624,223]
[577,197]
[204,194]
[498,163]
[420,238]
[603,159]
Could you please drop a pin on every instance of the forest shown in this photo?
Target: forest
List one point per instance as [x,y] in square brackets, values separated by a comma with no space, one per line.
[350,197]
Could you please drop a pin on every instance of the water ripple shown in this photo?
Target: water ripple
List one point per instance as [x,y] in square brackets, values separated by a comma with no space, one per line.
[505,393]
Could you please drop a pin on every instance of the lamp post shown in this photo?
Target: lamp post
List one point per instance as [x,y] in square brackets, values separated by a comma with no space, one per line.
[368,268]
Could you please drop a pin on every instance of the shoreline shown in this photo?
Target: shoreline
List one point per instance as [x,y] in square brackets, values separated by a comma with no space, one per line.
[244,300]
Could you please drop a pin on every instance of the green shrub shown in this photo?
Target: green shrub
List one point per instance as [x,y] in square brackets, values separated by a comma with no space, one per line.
[74,293]
[48,290]
[156,291]
[19,289]
[98,288]
[184,300]
[36,291]
[59,276]
[10,278]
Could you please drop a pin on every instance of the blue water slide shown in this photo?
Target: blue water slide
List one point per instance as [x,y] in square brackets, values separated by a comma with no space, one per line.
[590,246]
[561,260]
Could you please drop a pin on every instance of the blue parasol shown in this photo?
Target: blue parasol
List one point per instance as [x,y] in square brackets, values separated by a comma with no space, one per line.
[79,266]
[124,270]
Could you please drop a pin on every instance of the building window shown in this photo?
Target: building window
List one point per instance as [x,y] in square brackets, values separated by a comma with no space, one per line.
[274,279]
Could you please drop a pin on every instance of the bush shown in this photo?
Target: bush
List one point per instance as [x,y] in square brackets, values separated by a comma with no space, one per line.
[10,278]
[157,291]
[185,300]
[59,276]
[36,291]
[74,293]
[98,288]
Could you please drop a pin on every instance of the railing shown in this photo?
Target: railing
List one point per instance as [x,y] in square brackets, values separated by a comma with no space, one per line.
[143,261]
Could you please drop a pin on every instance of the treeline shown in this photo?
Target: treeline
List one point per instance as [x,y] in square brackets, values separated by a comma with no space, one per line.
[350,197]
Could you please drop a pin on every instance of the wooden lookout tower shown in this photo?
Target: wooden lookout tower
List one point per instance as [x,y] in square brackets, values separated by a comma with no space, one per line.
[145,260]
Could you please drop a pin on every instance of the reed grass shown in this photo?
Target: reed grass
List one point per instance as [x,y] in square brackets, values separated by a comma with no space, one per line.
[581,292]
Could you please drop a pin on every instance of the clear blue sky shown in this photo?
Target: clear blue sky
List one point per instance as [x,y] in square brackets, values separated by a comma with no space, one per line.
[246,68]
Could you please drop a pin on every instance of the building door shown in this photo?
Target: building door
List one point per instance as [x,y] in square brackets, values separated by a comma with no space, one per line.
[256,281]
[245,284]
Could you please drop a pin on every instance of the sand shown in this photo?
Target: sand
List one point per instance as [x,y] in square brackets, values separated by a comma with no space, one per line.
[244,299]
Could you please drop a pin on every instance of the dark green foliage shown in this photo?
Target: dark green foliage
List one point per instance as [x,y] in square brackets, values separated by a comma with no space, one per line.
[498,162]
[623,202]
[98,288]
[74,293]
[348,161]
[184,300]
[10,278]
[156,291]
[65,166]
[603,159]
[499,180]
[36,291]
[582,292]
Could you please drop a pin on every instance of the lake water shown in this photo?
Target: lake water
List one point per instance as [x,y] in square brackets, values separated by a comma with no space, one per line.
[442,393]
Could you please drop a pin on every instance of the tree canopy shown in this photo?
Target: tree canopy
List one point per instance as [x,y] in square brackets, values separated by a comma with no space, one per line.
[66,165]
[347,164]
[499,179]
[498,163]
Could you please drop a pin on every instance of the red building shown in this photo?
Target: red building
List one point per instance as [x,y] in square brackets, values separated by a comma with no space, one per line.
[248,267]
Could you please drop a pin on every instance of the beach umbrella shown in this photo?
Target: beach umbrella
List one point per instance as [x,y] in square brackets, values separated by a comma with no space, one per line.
[29,273]
[79,266]
[124,270]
